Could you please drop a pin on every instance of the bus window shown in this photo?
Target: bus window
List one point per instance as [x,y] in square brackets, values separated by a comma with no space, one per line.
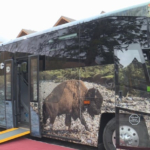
[34,70]
[8,81]
[146,53]
[24,67]
[94,38]
[62,49]
[131,71]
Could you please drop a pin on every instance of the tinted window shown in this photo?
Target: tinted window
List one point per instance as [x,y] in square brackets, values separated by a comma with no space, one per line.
[95,43]
[62,50]
[130,63]
[8,71]
[98,37]
[33,78]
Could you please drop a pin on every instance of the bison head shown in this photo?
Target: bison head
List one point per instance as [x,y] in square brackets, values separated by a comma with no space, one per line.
[96,101]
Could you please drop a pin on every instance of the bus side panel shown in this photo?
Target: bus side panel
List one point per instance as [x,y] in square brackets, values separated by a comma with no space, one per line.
[9,114]
[3,56]
[100,93]
[2,102]
[58,91]
[34,119]
[63,95]
[132,96]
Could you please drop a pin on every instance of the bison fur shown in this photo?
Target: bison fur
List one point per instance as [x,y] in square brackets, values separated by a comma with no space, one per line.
[68,98]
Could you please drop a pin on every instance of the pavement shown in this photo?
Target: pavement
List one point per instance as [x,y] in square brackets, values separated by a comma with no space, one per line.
[28,144]
[32,143]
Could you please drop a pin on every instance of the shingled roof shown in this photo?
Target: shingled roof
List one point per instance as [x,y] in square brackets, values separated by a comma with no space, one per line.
[63,20]
[24,32]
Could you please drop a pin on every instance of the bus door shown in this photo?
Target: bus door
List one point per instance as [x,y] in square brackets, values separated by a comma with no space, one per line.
[21,86]
[132,94]
[33,68]
[9,93]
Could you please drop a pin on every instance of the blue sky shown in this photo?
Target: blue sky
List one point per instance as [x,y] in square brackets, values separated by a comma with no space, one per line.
[42,14]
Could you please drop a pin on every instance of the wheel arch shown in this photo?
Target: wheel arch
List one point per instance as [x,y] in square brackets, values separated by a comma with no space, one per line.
[105,118]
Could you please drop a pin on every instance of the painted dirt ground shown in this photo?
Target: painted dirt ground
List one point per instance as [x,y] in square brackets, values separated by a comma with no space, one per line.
[78,130]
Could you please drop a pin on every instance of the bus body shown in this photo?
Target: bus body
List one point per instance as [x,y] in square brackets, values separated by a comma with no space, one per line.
[85,82]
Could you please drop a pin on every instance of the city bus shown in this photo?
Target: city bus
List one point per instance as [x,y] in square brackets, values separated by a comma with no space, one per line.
[86,82]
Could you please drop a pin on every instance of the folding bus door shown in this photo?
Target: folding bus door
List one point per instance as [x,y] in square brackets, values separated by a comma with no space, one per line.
[9,94]
[34,95]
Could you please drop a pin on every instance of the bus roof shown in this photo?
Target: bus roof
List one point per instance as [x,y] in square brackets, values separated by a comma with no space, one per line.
[137,10]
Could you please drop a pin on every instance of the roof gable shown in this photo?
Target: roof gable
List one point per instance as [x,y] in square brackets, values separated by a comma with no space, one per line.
[102,12]
[24,32]
[63,20]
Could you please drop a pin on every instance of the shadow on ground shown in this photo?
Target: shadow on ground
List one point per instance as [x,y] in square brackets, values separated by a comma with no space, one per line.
[59,142]
[63,143]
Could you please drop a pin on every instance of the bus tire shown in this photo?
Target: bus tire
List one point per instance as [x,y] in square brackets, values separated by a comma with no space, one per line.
[140,129]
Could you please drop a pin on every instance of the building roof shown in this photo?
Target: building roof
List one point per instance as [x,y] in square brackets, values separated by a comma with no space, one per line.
[63,20]
[24,32]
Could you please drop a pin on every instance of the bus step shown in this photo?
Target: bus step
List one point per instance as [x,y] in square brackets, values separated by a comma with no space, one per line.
[13,133]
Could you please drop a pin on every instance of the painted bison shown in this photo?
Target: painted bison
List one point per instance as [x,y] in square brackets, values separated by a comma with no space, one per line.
[68,98]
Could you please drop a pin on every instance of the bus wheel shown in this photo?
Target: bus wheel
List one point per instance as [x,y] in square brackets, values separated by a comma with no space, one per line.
[108,134]
[130,135]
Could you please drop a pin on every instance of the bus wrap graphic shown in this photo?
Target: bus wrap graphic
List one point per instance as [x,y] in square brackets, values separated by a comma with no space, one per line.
[134,119]
[1,65]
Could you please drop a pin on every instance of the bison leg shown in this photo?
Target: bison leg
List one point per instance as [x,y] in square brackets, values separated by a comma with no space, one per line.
[84,122]
[68,121]
[52,119]
[51,126]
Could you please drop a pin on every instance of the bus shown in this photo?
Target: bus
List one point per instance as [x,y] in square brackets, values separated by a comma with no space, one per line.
[86,82]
